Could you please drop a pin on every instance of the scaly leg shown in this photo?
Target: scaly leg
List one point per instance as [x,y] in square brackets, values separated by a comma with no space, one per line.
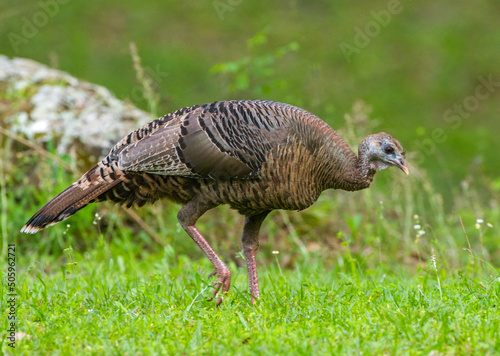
[187,217]
[250,241]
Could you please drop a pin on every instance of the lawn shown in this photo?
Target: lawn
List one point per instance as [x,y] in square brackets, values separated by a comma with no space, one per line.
[109,301]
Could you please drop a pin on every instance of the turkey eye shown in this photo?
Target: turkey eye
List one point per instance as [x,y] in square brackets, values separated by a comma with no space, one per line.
[388,150]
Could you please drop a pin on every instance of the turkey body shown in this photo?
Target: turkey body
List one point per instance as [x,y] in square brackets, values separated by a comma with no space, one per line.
[255,156]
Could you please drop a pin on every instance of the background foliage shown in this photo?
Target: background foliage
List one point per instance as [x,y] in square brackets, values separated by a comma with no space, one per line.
[409,68]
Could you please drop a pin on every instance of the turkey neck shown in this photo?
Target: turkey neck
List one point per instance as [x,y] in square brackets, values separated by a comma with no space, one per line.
[357,173]
[336,165]
[362,175]
[353,173]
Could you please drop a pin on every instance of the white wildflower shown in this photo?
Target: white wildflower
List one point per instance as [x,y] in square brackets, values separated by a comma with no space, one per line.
[417,227]
[480,221]
[276,252]
[489,225]
[97,218]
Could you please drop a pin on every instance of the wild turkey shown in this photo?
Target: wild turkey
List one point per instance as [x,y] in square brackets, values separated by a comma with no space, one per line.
[256,156]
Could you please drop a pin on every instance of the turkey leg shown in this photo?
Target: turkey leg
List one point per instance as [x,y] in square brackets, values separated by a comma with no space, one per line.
[250,241]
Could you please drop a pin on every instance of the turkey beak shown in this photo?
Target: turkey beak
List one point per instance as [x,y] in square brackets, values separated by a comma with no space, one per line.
[400,163]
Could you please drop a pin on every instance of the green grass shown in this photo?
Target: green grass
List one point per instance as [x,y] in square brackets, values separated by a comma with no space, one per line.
[109,303]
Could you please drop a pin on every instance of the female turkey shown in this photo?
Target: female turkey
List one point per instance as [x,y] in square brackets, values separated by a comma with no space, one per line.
[256,156]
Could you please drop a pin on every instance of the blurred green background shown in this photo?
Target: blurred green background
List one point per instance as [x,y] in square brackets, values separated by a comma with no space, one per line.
[430,72]
[418,64]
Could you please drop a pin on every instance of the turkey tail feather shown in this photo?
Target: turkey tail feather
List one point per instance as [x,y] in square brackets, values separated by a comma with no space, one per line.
[72,199]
